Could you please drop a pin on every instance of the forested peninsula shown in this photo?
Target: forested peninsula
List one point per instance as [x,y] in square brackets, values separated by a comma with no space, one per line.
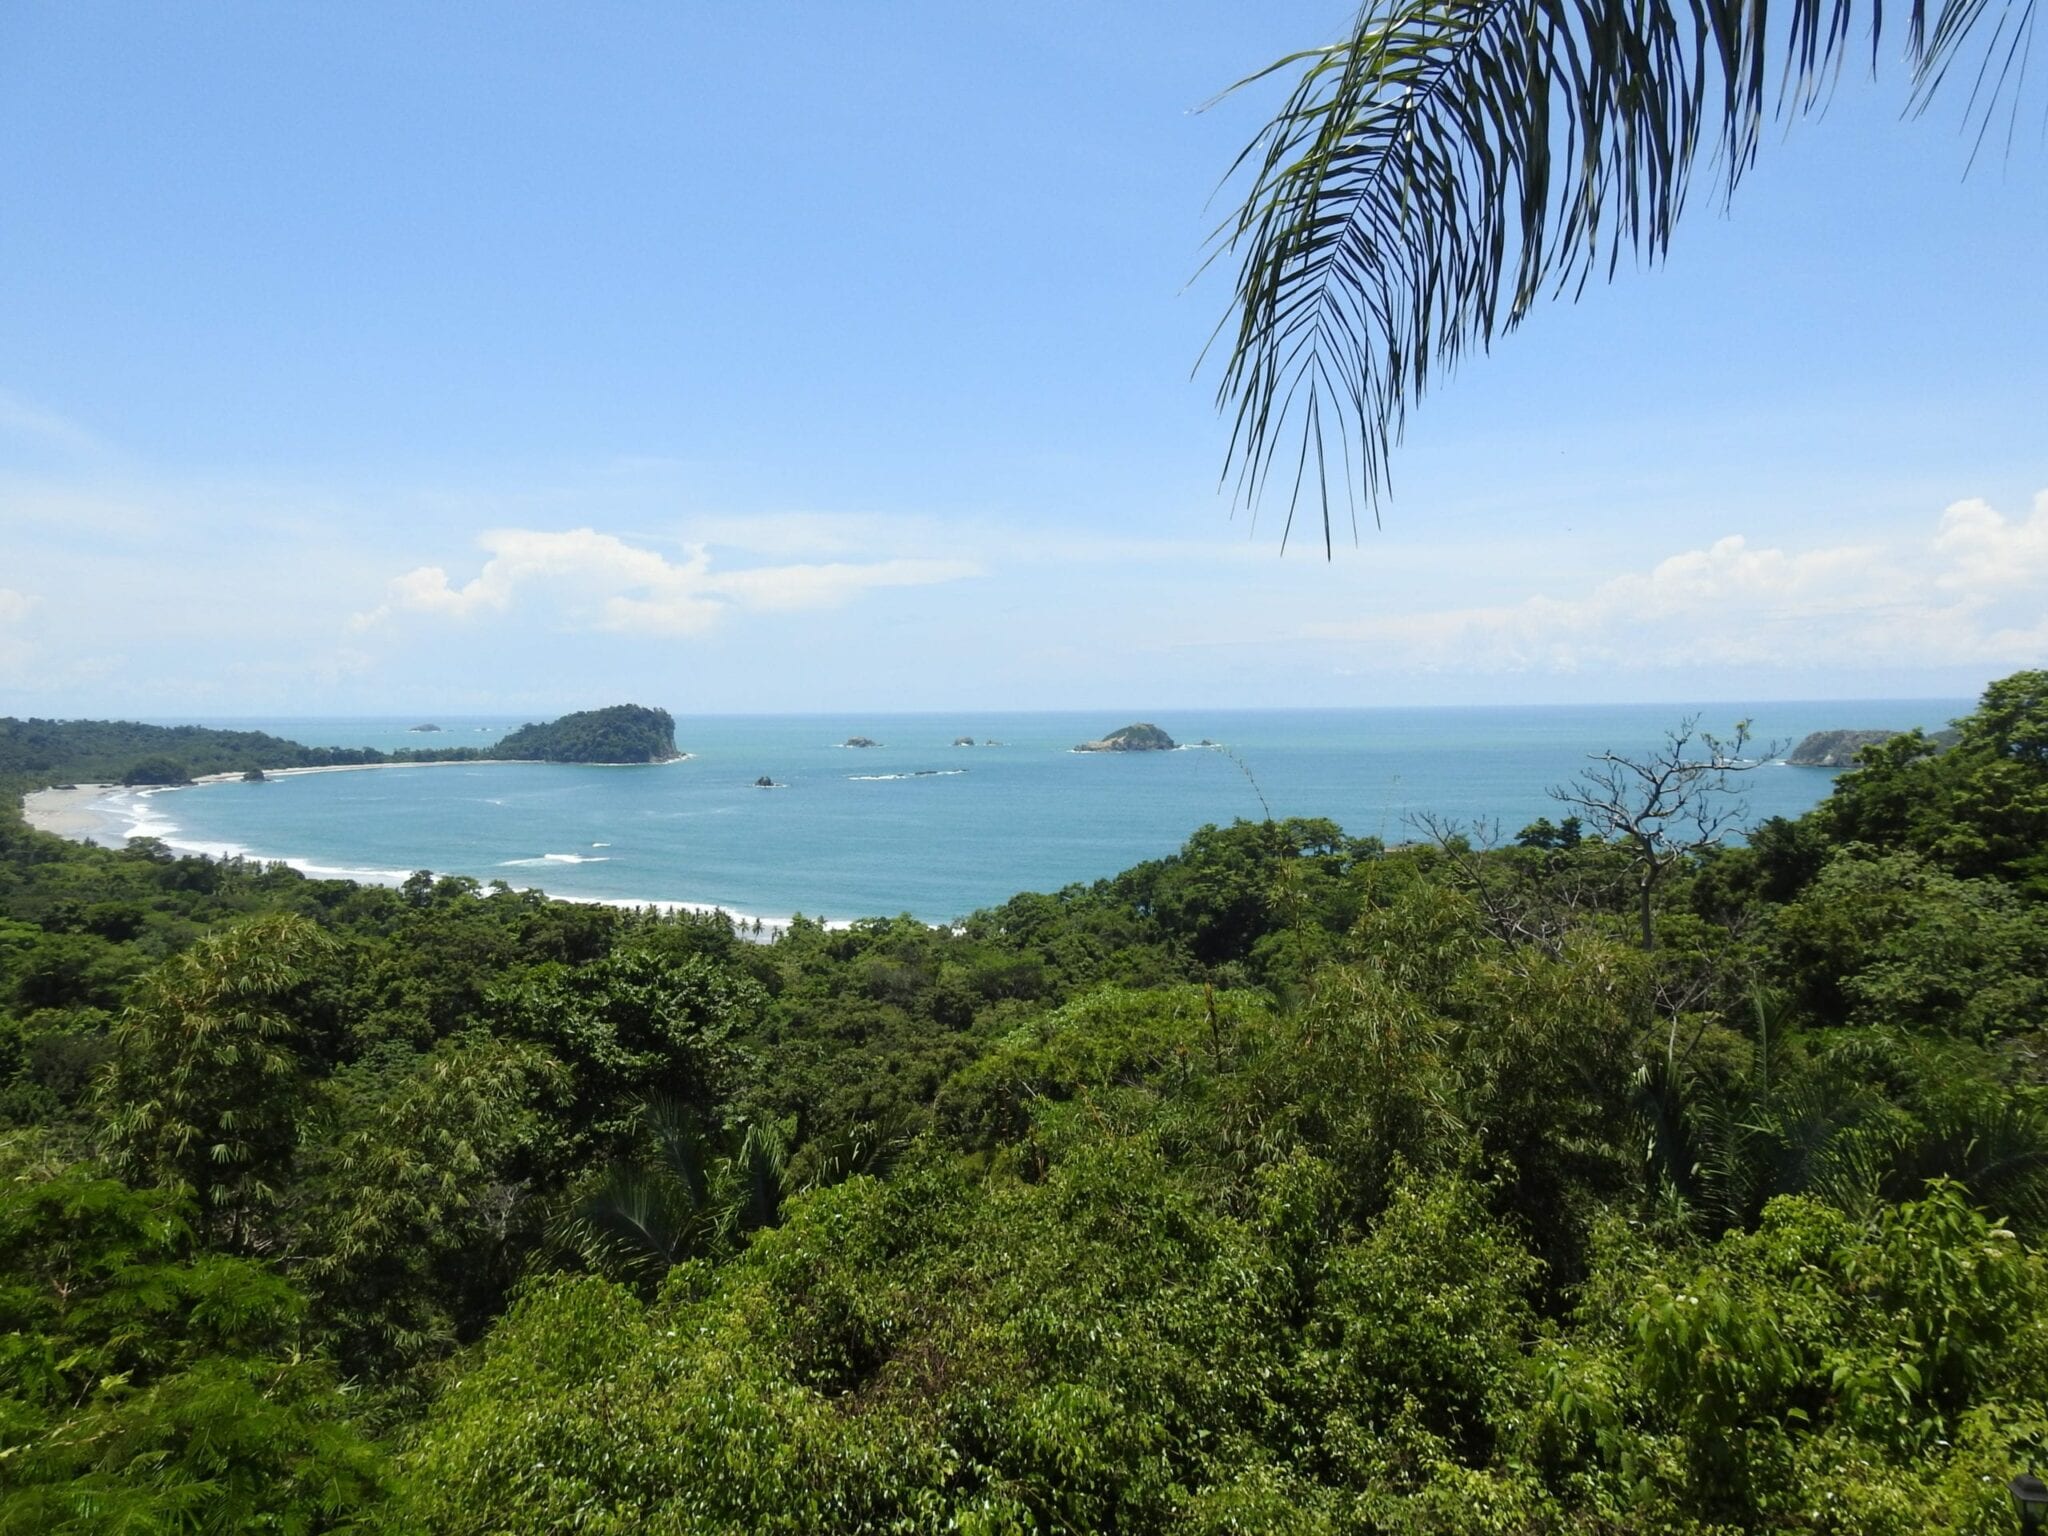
[127,752]
[623,733]
[1292,1183]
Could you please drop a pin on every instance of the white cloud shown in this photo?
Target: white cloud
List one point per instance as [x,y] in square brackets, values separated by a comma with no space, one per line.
[1990,553]
[1975,593]
[598,581]
[15,650]
[785,588]
[18,418]
[814,535]
[842,535]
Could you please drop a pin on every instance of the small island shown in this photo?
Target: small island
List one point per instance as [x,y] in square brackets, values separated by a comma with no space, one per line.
[1142,737]
[764,782]
[417,729]
[621,733]
[860,741]
[963,741]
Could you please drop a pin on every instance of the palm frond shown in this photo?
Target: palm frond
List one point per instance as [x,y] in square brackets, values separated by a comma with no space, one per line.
[681,1143]
[1451,162]
[758,1171]
[636,1222]
[641,1216]
[1996,1148]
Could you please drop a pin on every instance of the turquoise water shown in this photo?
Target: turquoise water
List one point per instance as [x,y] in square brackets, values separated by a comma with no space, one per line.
[920,826]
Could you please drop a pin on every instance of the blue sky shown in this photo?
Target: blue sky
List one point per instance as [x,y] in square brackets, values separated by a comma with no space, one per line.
[806,356]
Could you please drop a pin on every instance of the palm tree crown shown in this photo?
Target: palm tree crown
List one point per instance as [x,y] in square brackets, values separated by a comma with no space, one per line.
[1450,162]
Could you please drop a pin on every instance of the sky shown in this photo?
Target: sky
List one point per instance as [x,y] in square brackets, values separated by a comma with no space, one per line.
[798,356]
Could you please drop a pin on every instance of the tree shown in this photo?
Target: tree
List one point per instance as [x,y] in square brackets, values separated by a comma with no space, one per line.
[204,1083]
[1977,808]
[408,1214]
[629,1027]
[1664,807]
[157,770]
[640,1217]
[1451,162]
[149,1385]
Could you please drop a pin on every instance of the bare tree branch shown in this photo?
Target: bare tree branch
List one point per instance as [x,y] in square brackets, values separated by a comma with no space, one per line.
[1667,806]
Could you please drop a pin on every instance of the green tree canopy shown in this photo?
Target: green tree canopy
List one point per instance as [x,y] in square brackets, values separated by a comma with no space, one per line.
[204,1082]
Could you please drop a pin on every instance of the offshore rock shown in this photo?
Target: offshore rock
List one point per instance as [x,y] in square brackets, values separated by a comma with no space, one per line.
[1143,737]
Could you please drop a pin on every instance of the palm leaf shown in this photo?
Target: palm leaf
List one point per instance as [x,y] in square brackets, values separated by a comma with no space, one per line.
[758,1171]
[643,1215]
[1996,1147]
[681,1143]
[1451,162]
[637,1221]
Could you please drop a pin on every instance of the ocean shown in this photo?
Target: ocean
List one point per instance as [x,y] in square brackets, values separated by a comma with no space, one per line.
[916,825]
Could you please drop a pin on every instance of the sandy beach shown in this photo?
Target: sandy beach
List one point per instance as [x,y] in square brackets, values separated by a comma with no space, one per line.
[76,811]
[82,813]
[90,813]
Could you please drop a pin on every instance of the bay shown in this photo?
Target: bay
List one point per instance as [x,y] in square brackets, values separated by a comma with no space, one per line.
[917,825]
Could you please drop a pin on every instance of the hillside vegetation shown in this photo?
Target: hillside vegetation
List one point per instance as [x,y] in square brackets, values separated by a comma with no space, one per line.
[622,733]
[1291,1183]
[112,751]
[36,752]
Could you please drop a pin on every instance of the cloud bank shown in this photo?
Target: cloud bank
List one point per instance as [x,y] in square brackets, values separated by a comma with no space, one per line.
[23,420]
[15,648]
[597,581]
[1975,593]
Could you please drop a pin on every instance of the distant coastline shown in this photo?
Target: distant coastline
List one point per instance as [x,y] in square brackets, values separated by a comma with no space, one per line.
[76,811]
[67,810]
[108,814]
[905,833]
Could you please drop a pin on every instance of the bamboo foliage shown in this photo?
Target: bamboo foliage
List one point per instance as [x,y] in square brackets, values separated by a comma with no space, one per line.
[205,1081]
[1447,165]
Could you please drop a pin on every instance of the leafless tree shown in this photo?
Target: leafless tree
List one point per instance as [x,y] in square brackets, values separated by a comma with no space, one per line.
[1523,902]
[1666,806]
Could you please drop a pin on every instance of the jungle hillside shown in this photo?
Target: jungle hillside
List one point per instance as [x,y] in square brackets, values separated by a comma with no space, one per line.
[1587,1178]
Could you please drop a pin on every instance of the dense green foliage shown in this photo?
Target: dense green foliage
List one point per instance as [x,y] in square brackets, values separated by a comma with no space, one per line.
[111,751]
[1290,1183]
[620,733]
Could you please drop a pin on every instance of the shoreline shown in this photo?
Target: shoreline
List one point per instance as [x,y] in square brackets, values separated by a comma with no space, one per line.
[111,815]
